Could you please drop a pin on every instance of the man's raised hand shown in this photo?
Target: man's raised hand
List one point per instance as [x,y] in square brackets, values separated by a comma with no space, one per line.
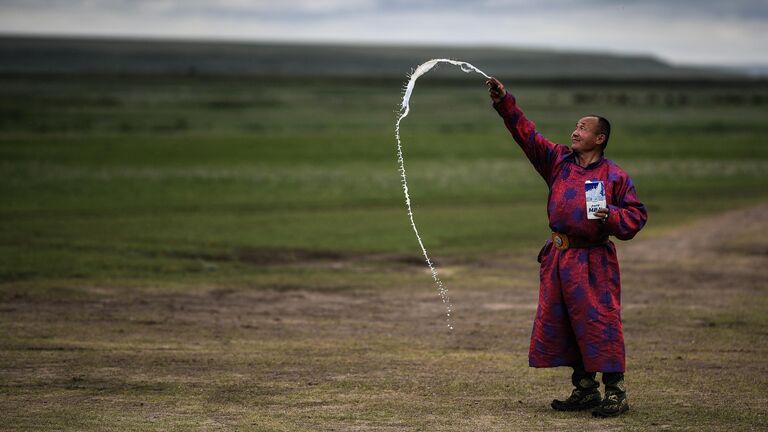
[495,89]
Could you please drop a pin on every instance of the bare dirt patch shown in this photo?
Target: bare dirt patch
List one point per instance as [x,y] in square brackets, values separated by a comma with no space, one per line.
[302,354]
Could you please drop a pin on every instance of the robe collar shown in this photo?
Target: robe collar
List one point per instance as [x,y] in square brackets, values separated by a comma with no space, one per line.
[572,158]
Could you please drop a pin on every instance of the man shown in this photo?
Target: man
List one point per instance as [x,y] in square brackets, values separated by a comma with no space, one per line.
[578,321]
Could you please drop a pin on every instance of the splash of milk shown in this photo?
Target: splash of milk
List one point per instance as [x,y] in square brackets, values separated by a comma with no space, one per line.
[404,109]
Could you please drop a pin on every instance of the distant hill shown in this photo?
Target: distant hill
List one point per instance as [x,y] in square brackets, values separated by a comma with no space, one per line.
[47,55]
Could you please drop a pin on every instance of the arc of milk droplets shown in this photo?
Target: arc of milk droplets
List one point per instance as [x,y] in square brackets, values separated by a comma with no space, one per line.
[404,109]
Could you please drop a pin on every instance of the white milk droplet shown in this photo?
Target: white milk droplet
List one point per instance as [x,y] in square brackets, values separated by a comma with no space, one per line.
[404,109]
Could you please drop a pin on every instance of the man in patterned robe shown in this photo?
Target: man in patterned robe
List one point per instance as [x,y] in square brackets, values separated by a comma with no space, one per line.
[578,322]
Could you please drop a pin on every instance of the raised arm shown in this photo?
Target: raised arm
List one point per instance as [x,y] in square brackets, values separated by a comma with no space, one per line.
[540,151]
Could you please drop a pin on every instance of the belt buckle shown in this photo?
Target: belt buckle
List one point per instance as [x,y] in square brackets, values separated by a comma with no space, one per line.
[560,241]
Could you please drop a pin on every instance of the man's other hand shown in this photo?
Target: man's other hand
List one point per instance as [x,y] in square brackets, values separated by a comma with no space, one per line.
[602,214]
[495,89]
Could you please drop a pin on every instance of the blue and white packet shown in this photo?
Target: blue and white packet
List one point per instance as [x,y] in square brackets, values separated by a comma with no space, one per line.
[594,190]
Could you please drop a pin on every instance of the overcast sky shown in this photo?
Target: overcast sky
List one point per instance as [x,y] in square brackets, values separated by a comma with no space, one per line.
[724,32]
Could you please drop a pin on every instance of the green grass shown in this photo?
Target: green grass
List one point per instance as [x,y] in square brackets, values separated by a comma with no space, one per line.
[122,171]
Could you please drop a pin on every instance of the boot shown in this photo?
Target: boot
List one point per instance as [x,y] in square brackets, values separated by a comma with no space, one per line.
[586,394]
[615,401]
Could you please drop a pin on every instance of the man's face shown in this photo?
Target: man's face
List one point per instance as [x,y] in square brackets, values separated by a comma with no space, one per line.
[586,136]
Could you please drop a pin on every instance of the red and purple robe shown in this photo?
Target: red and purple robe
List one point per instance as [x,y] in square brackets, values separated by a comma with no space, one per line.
[578,318]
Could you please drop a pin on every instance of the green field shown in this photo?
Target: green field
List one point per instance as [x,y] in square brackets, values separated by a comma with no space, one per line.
[147,178]
[128,198]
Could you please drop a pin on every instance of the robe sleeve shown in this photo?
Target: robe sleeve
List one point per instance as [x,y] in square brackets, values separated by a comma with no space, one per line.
[540,151]
[628,215]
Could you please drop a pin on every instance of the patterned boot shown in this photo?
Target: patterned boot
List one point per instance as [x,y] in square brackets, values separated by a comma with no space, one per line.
[586,394]
[615,401]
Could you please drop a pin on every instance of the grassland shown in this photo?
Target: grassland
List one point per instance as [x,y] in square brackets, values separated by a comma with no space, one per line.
[224,254]
[133,173]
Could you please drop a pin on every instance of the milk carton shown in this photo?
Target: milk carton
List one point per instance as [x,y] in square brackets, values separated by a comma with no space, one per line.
[594,191]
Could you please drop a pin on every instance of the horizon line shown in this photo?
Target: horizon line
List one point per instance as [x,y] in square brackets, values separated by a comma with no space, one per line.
[374,43]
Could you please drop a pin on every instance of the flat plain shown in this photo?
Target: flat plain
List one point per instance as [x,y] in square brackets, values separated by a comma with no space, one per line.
[234,254]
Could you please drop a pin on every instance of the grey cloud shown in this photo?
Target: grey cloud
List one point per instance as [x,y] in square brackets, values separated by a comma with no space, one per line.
[733,9]
[683,30]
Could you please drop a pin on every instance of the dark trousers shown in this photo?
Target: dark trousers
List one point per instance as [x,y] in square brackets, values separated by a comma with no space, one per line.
[613,381]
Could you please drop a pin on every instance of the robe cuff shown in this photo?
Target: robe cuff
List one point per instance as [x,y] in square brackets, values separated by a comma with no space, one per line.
[506,106]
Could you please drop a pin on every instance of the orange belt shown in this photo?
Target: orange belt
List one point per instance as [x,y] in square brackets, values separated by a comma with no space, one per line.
[563,242]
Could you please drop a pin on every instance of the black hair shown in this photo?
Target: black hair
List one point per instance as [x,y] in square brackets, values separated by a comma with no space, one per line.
[603,127]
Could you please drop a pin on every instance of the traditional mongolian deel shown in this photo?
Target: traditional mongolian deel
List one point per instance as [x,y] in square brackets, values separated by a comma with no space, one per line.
[579,313]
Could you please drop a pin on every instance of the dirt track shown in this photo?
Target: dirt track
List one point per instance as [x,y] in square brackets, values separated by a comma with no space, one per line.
[362,358]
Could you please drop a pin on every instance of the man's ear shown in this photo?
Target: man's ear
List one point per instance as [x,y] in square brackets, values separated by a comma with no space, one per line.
[600,139]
